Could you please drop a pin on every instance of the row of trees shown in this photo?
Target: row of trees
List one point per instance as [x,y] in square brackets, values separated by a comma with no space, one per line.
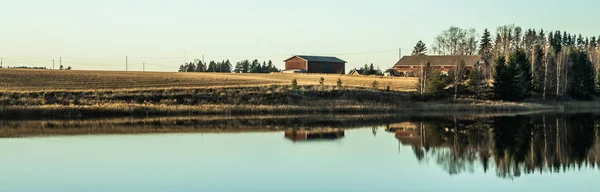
[225,66]
[556,65]
[515,64]
[370,70]
[246,66]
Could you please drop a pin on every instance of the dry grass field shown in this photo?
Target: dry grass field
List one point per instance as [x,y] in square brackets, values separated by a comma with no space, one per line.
[55,80]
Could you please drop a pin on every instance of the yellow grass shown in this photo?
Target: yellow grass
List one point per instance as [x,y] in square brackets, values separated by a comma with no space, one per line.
[55,80]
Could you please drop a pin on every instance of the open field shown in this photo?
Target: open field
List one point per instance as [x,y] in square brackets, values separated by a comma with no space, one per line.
[55,80]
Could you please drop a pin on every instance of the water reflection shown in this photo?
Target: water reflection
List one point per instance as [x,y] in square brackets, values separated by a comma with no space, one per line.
[513,146]
[314,134]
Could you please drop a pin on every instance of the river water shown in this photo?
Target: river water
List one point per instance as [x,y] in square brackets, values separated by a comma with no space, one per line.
[553,152]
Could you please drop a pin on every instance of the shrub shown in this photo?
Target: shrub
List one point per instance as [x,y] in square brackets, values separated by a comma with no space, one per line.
[339,83]
[322,83]
[294,84]
[375,85]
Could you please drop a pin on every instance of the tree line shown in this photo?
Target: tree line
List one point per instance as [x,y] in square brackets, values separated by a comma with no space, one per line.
[244,66]
[516,63]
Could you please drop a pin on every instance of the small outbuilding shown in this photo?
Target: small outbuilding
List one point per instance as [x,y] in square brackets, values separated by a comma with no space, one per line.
[356,72]
[315,64]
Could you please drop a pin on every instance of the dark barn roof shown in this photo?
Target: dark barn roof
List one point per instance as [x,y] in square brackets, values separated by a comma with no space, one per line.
[438,60]
[323,59]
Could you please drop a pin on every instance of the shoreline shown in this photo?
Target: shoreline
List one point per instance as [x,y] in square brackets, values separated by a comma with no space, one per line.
[251,100]
[140,110]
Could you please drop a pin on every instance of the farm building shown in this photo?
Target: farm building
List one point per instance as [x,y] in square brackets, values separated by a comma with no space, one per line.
[356,72]
[410,65]
[315,64]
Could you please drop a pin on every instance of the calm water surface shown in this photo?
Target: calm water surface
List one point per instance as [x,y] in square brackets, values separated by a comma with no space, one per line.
[537,153]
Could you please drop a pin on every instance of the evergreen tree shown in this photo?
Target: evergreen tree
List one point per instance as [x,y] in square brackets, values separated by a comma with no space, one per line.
[264,68]
[522,73]
[182,68]
[542,38]
[226,66]
[436,84]
[272,67]
[593,42]
[420,49]
[200,67]
[238,67]
[245,66]
[557,41]
[255,66]
[539,66]
[191,67]
[503,80]
[517,37]
[581,85]
[485,51]
[476,81]
[580,41]
[566,39]
[212,66]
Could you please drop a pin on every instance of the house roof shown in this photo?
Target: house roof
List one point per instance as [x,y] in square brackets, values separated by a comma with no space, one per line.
[324,59]
[438,60]
[359,71]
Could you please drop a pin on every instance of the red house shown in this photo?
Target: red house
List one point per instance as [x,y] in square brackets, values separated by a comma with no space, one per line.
[411,65]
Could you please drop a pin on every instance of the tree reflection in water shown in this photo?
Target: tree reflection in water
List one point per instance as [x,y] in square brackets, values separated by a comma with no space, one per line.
[512,145]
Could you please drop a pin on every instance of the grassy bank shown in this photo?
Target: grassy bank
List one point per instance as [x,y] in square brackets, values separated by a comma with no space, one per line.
[40,94]
[272,99]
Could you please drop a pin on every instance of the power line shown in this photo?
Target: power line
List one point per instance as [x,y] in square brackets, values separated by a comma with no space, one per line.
[39,61]
[93,57]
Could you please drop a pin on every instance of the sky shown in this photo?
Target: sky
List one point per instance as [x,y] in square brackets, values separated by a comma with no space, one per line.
[98,35]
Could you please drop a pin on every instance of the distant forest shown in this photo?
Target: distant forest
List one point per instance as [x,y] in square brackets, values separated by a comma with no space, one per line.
[244,66]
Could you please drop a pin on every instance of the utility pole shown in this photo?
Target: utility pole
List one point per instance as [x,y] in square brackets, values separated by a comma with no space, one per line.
[203,60]
[126,63]
[60,61]
[52,63]
[144,67]
[399,53]
[1,62]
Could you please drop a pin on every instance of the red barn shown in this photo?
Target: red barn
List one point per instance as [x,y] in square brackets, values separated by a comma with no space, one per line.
[315,64]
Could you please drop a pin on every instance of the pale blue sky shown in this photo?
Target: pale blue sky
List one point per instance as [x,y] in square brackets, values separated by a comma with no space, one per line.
[98,34]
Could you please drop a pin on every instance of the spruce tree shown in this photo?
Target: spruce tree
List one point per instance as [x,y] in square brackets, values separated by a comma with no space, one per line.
[191,67]
[264,68]
[538,68]
[476,81]
[542,38]
[420,49]
[502,80]
[593,42]
[212,66]
[226,66]
[245,66]
[522,72]
[581,86]
[485,51]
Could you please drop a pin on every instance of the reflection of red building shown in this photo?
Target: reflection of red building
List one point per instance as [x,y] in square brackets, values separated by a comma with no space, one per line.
[411,65]
[314,134]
